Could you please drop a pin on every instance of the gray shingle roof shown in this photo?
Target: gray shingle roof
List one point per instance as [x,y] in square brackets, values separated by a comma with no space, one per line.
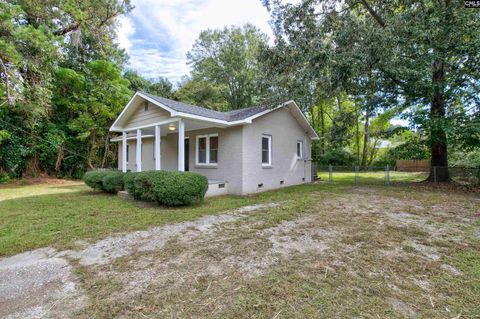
[230,116]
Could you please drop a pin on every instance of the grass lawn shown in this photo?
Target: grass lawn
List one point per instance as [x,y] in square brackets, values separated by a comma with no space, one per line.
[61,213]
[328,251]
[373,177]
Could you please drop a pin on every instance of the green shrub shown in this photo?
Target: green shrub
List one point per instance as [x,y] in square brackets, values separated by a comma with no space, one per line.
[94,179]
[338,157]
[112,182]
[128,183]
[178,188]
[167,188]
[143,187]
[4,178]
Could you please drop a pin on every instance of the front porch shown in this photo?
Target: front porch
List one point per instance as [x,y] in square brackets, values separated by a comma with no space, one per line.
[147,141]
[167,146]
[160,146]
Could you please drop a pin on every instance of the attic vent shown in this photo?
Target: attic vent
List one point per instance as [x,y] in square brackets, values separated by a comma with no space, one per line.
[282,182]
[260,185]
[146,106]
[221,185]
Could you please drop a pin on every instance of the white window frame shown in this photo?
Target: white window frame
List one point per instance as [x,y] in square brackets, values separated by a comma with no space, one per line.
[207,149]
[301,149]
[269,137]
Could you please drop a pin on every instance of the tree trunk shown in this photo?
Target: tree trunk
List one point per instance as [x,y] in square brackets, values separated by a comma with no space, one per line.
[322,129]
[91,151]
[438,136]
[365,140]
[60,156]
[373,151]
[357,132]
[106,150]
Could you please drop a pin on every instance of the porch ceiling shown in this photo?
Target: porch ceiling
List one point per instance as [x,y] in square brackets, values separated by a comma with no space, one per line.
[190,125]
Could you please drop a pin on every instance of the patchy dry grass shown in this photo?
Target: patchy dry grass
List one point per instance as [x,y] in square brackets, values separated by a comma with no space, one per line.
[60,213]
[332,252]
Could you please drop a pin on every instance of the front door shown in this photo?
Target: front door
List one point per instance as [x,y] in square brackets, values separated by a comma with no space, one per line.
[187,153]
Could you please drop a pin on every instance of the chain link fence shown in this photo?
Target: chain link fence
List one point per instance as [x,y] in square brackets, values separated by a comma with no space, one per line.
[386,175]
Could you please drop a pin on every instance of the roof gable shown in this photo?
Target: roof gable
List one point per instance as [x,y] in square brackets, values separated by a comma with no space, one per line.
[170,108]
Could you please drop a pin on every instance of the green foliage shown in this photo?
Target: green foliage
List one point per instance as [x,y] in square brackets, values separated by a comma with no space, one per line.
[128,183]
[112,182]
[94,179]
[142,187]
[167,188]
[470,158]
[60,85]
[4,178]
[137,82]
[201,92]
[420,57]
[161,87]
[107,181]
[414,148]
[338,157]
[407,146]
[228,58]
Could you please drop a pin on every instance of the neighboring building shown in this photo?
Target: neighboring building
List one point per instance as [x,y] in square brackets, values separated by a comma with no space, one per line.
[240,152]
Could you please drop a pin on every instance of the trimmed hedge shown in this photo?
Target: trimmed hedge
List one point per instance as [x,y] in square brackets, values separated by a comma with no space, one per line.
[163,187]
[107,181]
[94,179]
[128,179]
[113,182]
[167,188]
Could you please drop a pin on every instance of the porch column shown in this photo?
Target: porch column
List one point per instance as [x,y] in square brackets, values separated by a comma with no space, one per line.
[124,151]
[157,147]
[181,146]
[139,150]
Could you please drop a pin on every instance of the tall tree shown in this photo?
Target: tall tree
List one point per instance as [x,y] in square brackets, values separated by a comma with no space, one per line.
[423,55]
[161,86]
[201,92]
[42,45]
[229,57]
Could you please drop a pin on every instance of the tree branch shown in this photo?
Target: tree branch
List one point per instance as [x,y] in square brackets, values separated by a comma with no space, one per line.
[373,13]
[7,83]
[68,29]
[76,26]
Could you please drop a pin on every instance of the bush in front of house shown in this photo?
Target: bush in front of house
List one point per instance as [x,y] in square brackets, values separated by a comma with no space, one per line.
[128,180]
[94,179]
[163,187]
[107,181]
[167,188]
[138,185]
[178,188]
[112,182]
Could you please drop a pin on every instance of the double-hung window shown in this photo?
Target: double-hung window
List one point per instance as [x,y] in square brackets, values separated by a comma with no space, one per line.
[207,149]
[266,150]
[299,149]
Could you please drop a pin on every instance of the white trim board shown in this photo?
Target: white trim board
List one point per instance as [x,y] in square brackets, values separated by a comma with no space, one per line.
[182,115]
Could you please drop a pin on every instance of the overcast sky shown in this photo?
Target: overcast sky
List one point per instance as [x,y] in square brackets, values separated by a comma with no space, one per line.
[157,34]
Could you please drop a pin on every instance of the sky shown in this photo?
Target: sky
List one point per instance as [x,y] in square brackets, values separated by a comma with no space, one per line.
[157,34]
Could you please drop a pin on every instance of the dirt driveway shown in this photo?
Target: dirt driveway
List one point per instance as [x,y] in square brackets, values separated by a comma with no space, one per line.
[364,252]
